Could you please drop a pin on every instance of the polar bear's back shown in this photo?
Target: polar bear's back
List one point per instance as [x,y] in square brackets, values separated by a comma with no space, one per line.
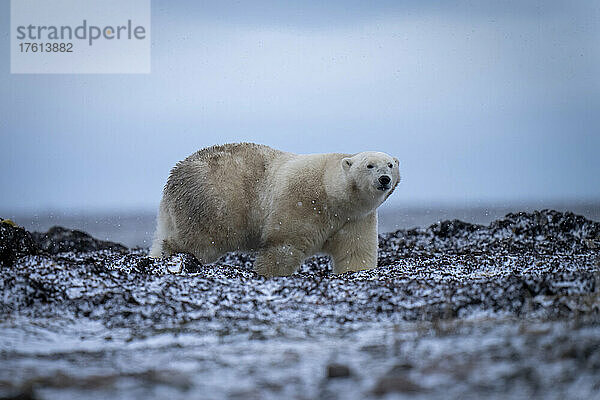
[220,188]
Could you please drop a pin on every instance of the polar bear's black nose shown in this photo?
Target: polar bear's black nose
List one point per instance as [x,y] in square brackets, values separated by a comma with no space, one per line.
[384,179]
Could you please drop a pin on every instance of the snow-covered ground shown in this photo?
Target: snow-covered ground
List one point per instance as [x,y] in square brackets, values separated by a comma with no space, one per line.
[508,310]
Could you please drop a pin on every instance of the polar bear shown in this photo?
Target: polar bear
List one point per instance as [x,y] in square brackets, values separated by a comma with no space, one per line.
[284,206]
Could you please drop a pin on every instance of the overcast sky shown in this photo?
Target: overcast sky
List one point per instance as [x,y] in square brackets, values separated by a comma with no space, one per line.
[481,101]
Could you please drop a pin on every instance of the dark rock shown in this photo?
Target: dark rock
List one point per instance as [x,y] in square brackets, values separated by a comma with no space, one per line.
[397,380]
[27,395]
[400,369]
[15,242]
[60,240]
[446,229]
[190,264]
[338,371]
[541,232]
[395,383]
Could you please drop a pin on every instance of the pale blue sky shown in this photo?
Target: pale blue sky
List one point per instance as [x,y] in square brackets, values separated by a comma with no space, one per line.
[481,101]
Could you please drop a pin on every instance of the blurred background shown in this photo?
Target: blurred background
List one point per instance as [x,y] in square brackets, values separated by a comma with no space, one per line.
[491,106]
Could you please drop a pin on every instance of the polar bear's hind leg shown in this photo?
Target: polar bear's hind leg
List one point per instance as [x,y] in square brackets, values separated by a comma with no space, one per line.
[164,225]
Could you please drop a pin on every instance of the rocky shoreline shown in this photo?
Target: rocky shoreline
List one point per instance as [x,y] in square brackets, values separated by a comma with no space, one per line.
[454,310]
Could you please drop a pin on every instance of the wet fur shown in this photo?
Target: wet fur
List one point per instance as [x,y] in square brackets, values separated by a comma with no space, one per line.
[285,206]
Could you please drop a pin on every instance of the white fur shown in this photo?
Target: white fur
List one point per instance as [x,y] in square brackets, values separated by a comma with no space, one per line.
[284,206]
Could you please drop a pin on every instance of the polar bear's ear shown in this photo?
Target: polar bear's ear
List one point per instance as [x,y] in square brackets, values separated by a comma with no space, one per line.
[396,161]
[346,163]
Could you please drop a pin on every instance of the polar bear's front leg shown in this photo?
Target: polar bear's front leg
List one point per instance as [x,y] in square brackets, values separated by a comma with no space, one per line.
[354,246]
[278,260]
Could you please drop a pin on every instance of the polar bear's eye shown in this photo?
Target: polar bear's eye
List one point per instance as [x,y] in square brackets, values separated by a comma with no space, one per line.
[370,166]
[390,165]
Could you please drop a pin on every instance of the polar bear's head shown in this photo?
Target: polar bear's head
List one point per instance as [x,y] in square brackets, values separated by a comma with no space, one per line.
[373,174]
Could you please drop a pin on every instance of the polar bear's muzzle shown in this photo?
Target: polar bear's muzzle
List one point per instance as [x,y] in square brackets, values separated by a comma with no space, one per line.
[384,183]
